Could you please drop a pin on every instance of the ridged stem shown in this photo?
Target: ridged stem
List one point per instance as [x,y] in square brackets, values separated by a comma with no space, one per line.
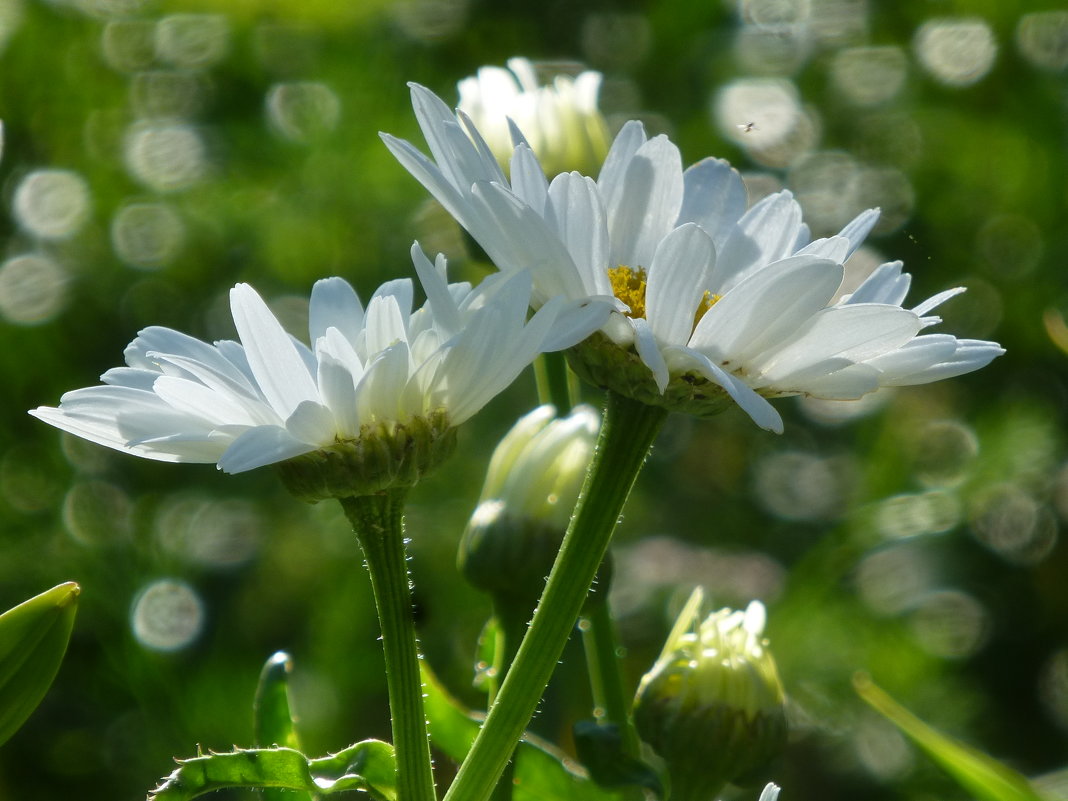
[627,434]
[378,523]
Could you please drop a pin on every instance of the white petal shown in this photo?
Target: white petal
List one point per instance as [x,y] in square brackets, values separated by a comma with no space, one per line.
[427,173]
[528,243]
[714,197]
[446,315]
[278,368]
[886,284]
[757,407]
[765,309]
[334,304]
[835,248]
[915,355]
[937,300]
[630,137]
[770,792]
[577,320]
[971,354]
[118,416]
[338,391]
[852,382]
[649,351]
[167,340]
[854,333]
[766,233]
[379,394]
[312,423]
[678,278]
[583,228]
[857,229]
[261,446]
[133,377]
[198,401]
[385,325]
[645,210]
[528,180]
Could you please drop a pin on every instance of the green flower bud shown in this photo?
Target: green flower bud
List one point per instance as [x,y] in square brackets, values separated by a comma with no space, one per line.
[712,706]
[385,456]
[531,487]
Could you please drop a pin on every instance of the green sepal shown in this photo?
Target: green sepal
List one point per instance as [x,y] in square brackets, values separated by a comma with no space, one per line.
[274,723]
[33,639]
[543,773]
[980,775]
[600,748]
[368,766]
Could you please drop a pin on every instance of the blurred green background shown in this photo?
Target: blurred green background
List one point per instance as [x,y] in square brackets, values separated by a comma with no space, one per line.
[158,152]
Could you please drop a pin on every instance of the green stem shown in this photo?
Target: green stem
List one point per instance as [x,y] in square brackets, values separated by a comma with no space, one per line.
[555,384]
[377,521]
[602,660]
[512,627]
[627,434]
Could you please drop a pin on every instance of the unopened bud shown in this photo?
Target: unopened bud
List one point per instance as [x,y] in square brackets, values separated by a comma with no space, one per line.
[531,487]
[712,706]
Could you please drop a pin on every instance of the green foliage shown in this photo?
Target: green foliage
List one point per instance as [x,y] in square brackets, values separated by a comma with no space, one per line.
[367,766]
[981,775]
[33,639]
[543,773]
[274,723]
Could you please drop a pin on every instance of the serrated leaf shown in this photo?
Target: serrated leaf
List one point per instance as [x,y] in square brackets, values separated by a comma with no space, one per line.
[33,640]
[368,766]
[981,775]
[273,721]
[543,773]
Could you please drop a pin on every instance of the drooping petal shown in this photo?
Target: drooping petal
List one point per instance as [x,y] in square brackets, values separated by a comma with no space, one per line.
[758,408]
[649,352]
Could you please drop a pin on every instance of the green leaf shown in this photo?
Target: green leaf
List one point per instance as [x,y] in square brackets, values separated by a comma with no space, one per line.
[274,723]
[600,747]
[982,776]
[33,639]
[368,766]
[543,773]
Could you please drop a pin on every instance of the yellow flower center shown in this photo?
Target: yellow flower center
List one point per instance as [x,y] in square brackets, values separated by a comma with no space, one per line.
[629,286]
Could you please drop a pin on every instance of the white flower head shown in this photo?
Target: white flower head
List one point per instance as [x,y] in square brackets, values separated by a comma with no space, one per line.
[268,397]
[561,119]
[713,300]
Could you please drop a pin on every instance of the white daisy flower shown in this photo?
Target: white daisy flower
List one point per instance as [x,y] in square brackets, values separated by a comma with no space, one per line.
[269,398]
[716,300]
[561,120]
